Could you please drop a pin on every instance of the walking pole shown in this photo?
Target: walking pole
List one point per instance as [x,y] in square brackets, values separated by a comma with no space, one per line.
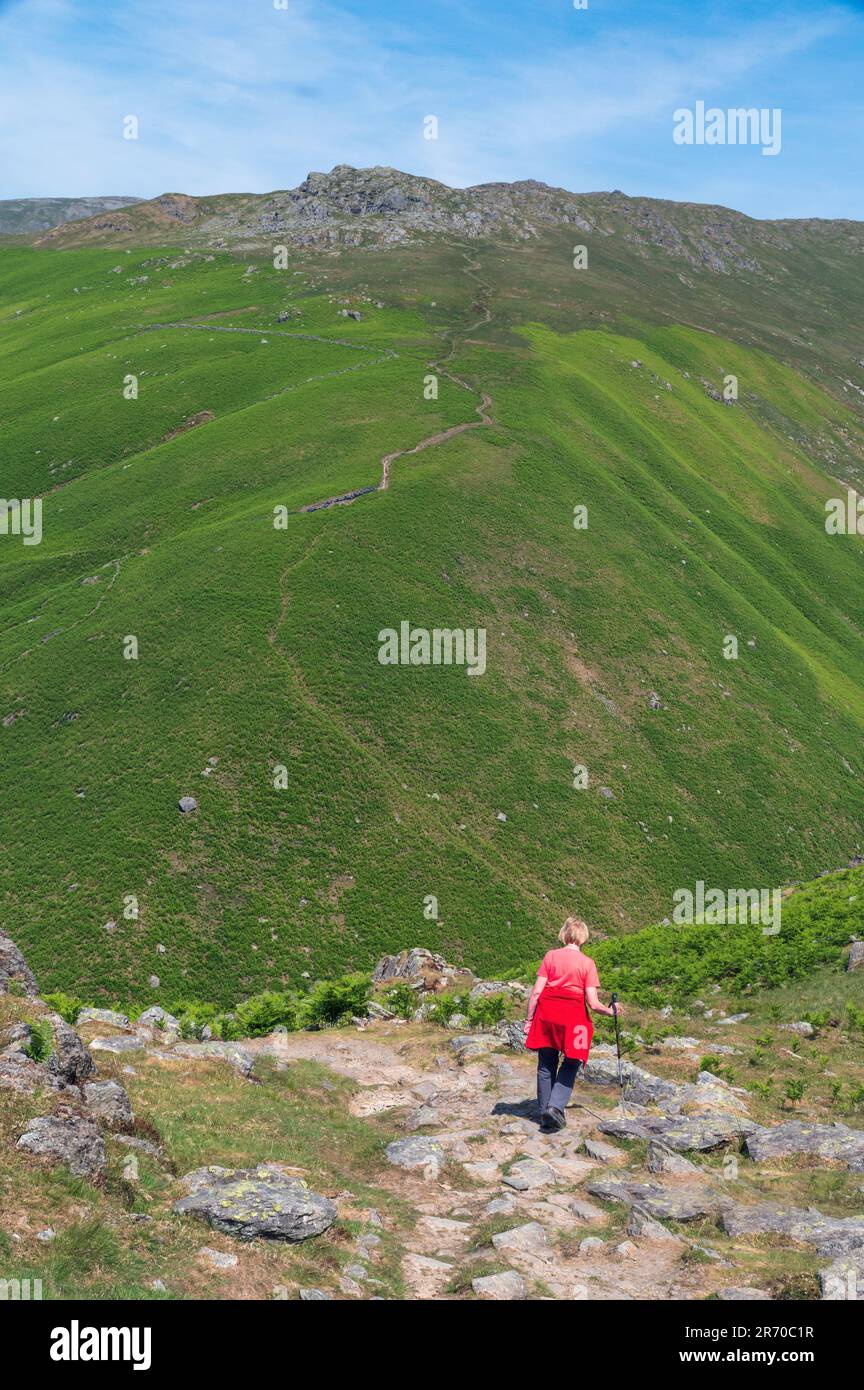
[613,1002]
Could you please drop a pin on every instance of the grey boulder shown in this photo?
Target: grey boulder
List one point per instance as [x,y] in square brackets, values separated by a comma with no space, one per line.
[830,1235]
[415,1152]
[664,1203]
[248,1203]
[159,1018]
[835,1142]
[108,1101]
[681,1133]
[66,1137]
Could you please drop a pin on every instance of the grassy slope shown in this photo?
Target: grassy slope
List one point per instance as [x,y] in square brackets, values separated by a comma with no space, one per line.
[259,646]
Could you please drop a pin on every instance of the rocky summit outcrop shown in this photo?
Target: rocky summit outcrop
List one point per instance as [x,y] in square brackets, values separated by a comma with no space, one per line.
[385,207]
[423,970]
[267,1201]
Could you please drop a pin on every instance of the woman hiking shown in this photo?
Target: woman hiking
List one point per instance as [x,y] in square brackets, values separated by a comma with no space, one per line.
[559,1020]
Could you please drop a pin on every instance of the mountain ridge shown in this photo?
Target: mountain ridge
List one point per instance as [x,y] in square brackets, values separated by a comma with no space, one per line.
[22,216]
[382,206]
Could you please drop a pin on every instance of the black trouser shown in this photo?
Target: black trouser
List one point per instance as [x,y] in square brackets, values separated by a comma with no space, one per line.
[554,1082]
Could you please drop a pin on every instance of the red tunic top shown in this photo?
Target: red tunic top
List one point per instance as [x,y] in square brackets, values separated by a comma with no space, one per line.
[561,1019]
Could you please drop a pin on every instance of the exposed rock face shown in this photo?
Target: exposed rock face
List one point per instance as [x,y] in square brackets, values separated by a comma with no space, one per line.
[264,1201]
[116,1044]
[831,1235]
[530,1238]
[828,1141]
[108,1101]
[70,1061]
[659,1160]
[642,1087]
[666,1203]
[737,1293]
[681,1133]
[66,1137]
[13,966]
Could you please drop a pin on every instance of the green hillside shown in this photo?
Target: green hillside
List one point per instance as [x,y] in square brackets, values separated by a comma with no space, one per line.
[258,645]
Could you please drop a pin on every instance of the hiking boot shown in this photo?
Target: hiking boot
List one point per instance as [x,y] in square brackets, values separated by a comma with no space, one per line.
[552,1120]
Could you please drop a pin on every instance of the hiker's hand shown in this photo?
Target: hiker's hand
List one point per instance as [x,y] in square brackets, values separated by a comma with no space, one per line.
[615,1008]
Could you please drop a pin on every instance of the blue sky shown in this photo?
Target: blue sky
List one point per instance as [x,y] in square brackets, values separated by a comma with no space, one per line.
[237,95]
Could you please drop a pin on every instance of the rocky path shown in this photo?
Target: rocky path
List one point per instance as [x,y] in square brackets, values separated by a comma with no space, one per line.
[653,1193]
[510,1213]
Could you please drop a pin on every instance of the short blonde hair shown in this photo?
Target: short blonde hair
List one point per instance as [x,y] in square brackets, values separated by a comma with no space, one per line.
[574,932]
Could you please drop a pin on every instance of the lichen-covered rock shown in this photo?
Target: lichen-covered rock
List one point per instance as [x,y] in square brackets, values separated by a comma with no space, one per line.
[20,1073]
[644,1088]
[415,1152]
[485,989]
[248,1203]
[108,1101]
[843,1280]
[831,1235]
[604,1153]
[13,967]
[469,1046]
[69,1059]
[66,1137]
[835,1142]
